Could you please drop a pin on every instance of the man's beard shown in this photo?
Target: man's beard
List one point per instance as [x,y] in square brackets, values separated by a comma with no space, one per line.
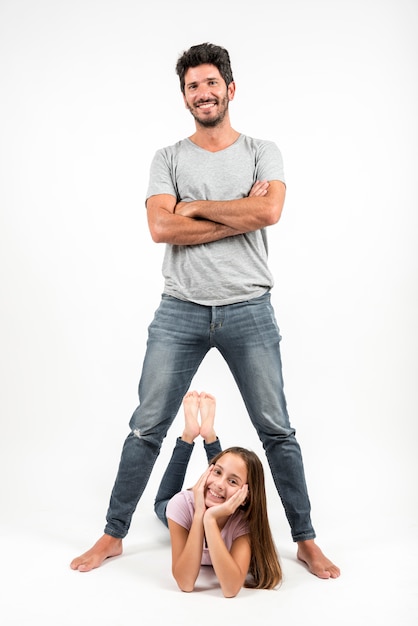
[214,121]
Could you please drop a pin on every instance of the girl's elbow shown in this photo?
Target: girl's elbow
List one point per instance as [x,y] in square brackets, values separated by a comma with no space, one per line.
[231,593]
[230,588]
[185,584]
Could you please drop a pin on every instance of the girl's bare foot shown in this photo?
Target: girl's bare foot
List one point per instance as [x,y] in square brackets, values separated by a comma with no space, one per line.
[207,417]
[104,548]
[315,559]
[191,410]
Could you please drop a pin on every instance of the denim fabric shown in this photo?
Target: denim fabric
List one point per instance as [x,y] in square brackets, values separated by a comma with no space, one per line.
[180,335]
[173,478]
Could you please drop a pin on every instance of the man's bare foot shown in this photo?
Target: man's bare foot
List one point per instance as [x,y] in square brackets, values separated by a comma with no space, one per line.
[207,417]
[191,410]
[316,561]
[104,548]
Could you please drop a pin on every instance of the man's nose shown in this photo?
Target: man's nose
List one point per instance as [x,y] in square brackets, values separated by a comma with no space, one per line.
[203,92]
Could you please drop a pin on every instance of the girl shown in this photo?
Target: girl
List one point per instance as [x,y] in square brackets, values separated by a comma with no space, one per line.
[222,521]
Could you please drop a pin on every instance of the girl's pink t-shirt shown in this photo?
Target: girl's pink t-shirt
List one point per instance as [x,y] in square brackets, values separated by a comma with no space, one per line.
[180,509]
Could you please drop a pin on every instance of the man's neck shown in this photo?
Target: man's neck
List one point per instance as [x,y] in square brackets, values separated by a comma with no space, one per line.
[214,139]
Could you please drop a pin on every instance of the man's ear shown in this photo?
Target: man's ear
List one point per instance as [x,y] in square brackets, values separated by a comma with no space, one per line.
[231,90]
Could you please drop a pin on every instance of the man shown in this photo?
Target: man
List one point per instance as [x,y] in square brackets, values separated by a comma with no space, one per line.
[210,198]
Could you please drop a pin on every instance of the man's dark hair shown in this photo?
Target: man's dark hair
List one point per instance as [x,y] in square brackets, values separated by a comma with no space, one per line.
[205,53]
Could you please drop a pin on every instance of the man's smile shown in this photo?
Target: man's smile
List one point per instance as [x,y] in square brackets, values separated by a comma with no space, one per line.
[205,105]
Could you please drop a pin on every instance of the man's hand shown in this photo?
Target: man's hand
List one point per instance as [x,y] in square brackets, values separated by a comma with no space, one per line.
[181,208]
[259,188]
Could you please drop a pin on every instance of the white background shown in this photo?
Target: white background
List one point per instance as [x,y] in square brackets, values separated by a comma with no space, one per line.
[88,92]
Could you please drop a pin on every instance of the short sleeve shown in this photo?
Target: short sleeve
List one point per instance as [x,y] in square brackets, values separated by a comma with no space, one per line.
[180,509]
[269,162]
[161,178]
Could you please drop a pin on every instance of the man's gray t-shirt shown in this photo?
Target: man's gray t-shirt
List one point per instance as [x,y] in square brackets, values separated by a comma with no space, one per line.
[233,269]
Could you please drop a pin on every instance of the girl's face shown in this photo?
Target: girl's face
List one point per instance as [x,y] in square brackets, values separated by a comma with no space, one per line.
[227,476]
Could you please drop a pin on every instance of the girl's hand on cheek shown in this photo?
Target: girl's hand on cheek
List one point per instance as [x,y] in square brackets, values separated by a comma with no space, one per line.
[199,491]
[229,506]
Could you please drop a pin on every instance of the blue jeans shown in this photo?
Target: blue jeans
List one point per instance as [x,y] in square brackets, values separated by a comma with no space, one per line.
[180,335]
[173,478]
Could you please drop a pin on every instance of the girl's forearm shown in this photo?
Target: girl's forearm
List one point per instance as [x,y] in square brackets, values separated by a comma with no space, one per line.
[227,570]
[187,566]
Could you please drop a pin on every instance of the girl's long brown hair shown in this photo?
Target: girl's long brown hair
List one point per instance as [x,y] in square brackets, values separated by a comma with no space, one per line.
[265,570]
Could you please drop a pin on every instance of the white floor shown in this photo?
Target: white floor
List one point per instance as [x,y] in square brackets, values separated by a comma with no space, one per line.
[378,584]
